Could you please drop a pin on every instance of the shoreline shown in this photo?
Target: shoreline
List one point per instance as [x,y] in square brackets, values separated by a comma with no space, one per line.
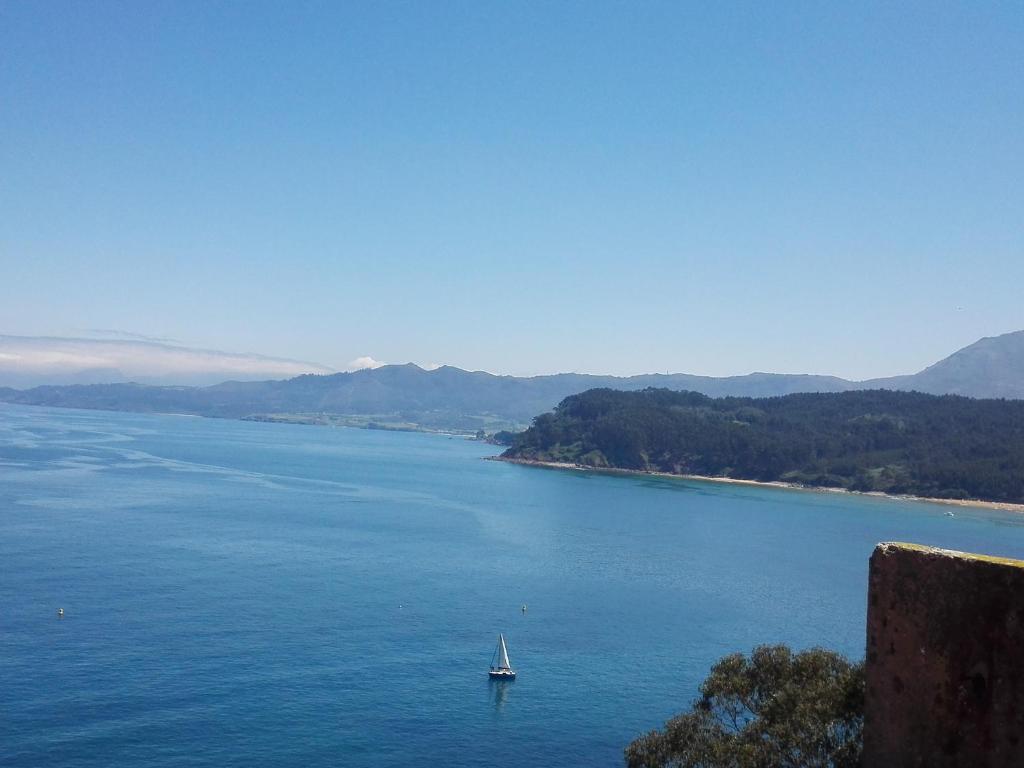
[1003,506]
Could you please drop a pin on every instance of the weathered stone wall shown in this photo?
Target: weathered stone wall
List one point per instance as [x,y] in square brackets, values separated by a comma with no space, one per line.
[945,660]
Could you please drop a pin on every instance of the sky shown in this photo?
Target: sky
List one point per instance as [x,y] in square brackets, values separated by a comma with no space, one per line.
[523,188]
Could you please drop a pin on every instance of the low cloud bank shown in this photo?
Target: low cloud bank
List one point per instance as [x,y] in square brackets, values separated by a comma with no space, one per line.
[31,361]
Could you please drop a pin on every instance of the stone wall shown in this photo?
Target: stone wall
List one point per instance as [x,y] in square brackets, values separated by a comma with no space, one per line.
[945,660]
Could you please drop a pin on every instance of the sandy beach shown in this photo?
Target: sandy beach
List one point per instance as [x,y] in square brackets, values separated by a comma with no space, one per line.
[975,503]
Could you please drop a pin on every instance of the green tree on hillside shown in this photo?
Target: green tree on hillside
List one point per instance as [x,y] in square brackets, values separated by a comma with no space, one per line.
[775,709]
[873,440]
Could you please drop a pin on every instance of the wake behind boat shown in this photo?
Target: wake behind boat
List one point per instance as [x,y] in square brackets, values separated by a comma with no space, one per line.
[503,669]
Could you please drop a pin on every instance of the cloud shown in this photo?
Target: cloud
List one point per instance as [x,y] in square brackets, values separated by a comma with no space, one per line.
[361,363]
[129,335]
[42,360]
[431,366]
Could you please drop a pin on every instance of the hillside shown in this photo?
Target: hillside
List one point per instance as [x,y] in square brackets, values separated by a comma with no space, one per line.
[445,398]
[874,440]
[990,367]
[453,399]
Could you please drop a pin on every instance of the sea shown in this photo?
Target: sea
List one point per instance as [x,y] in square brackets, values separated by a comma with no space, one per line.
[250,594]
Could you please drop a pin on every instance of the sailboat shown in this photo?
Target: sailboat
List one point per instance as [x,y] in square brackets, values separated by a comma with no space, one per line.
[502,670]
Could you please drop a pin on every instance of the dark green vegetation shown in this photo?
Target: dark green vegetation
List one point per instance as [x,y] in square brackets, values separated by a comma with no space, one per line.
[450,399]
[776,709]
[503,437]
[893,442]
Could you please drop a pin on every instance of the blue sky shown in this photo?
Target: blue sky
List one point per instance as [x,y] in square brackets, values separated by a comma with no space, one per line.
[522,188]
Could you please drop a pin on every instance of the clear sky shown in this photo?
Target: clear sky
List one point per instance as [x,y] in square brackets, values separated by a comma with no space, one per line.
[518,187]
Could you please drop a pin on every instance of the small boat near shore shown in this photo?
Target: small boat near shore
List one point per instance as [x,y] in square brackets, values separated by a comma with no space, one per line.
[502,670]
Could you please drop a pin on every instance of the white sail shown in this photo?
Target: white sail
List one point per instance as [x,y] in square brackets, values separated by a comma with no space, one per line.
[502,654]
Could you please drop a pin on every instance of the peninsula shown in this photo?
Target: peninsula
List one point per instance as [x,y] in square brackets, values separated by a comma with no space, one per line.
[946,448]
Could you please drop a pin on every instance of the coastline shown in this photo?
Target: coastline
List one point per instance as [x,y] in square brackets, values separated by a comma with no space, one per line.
[1002,506]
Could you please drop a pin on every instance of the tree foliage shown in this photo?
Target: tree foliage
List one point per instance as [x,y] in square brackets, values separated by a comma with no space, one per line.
[775,709]
[875,440]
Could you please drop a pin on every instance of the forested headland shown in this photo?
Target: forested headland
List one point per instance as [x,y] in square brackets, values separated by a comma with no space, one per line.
[946,447]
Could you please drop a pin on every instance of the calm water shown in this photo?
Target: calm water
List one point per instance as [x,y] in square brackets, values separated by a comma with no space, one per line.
[270,595]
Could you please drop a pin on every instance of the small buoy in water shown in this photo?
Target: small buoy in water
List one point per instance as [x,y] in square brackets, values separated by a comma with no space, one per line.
[60,613]
[524,607]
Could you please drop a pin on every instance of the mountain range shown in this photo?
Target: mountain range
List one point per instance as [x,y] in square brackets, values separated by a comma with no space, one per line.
[448,398]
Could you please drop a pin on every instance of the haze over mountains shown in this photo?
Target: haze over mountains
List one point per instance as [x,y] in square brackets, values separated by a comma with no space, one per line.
[451,398]
[29,361]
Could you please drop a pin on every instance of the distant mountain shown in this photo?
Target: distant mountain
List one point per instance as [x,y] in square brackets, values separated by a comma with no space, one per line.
[28,361]
[445,398]
[450,398]
[990,367]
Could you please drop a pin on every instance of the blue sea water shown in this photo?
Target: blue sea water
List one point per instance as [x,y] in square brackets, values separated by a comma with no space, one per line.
[245,594]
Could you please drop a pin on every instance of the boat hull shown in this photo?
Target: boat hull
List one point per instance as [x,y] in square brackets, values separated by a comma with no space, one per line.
[502,675]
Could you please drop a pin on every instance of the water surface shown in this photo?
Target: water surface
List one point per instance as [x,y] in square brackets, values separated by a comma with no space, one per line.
[246,594]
